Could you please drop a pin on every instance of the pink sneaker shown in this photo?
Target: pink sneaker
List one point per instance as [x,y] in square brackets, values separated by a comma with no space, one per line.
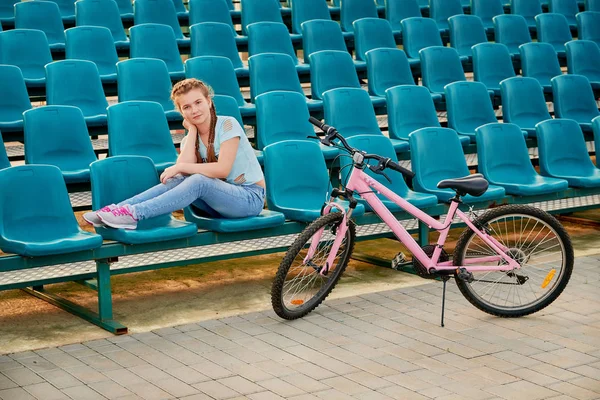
[91,217]
[119,217]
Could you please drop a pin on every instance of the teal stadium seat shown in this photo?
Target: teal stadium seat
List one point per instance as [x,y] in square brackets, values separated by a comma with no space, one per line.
[465,32]
[583,58]
[441,10]
[135,175]
[140,128]
[588,26]
[214,11]
[159,12]
[351,10]
[487,10]
[387,68]
[592,5]
[125,9]
[569,8]
[540,61]
[283,115]
[372,33]
[218,73]
[320,35]
[554,29]
[380,145]
[254,11]
[564,155]
[4,163]
[44,16]
[512,31]
[27,49]
[411,107]
[146,79]
[34,228]
[7,12]
[397,10]
[351,112]
[67,10]
[102,13]
[273,37]
[436,154]
[574,99]
[57,135]
[417,34]
[95,44]
[182,12]
[439,67]
[77,83]
[308,10]
[276,71]
[523,103]
[14,99]
[491,65]
[528,9]
[157,41]
[331,69]
[298,180]
[217,39]
[504,160]
[227,106]
[469,107]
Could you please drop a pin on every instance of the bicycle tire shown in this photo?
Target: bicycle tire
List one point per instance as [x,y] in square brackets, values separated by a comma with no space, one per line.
[278,291]
[470,290]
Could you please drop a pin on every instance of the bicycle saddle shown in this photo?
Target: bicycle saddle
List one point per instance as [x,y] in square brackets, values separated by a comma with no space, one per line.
[474,184]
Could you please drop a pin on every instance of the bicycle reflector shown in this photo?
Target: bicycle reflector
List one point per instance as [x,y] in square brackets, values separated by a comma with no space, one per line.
[548,278]
[297,302]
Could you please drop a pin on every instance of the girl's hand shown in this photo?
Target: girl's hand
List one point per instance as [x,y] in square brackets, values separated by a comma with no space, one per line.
[169,173]
[191,128]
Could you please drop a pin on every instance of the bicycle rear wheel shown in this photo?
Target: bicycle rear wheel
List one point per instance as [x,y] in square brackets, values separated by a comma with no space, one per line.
[537,241]
[299,286]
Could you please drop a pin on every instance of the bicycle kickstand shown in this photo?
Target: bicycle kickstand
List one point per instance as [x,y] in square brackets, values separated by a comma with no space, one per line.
[444,280]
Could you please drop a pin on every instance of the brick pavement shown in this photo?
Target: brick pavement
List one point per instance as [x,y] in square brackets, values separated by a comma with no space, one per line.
[385,345]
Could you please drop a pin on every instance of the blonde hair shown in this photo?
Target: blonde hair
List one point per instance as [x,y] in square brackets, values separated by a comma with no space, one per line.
[185,86]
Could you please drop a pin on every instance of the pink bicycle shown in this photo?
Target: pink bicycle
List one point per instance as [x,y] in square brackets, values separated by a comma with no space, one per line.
[511,261]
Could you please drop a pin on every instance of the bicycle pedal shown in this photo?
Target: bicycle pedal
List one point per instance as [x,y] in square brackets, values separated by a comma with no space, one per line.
[464,275]
[398,261]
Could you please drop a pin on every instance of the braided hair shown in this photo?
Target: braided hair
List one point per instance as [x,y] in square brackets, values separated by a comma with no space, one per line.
[184,87]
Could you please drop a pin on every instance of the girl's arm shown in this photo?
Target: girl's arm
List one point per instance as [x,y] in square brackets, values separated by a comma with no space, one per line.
[219,169]
[187,153]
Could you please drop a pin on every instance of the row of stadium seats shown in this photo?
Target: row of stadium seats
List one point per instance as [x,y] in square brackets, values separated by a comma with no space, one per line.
[141,127]
[45,15]
[78,83]
[436,155]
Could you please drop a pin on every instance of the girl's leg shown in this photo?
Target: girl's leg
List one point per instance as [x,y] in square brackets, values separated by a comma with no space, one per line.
[154,191]
[205,209]
[230,201]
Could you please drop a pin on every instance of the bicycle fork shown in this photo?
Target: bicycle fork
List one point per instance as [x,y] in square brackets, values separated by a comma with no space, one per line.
[339,237]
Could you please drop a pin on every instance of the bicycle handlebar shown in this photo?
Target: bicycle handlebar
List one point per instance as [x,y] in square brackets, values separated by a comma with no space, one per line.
[331,133]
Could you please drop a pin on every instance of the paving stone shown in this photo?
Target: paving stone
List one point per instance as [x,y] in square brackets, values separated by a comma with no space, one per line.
[565,358]
[6,383]
[44,391]
[574,391]
[265,396]
[124,377]
[211,370]
[15,394]
[306,383]
[60,379]
[522,390]
[23,376]
[148,391]
[345,385]
[110,390]
[216,390]
[241,385]
[82,393]
[175,387]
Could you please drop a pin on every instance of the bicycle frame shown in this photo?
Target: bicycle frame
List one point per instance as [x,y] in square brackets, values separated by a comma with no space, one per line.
[367,187]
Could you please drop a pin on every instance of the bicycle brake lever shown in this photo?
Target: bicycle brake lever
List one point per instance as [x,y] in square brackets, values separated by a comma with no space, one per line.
[378,171]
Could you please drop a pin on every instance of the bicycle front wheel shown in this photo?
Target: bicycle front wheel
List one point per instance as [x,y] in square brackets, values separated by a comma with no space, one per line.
[537,241]
[301,283]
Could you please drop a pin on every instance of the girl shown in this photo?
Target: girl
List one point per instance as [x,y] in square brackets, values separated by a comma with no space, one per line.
[216,171]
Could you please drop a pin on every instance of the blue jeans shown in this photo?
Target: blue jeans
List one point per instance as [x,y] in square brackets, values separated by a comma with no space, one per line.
[214,197]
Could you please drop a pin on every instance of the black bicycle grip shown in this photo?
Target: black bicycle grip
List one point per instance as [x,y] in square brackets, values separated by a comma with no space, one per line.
[396,167]
[316,122]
